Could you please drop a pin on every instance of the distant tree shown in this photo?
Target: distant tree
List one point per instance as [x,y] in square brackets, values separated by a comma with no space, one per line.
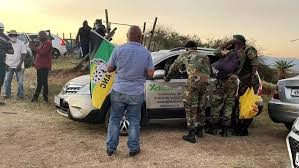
[166,38]
[215,43]
[266,73]
[283,67]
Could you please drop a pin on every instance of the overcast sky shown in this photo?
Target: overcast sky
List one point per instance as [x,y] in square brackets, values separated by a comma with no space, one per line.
[271,23]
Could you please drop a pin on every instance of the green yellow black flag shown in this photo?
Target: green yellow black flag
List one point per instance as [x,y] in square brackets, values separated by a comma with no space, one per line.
[100,80]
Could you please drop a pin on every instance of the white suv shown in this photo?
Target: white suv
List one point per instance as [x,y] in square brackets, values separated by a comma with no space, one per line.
[163,100]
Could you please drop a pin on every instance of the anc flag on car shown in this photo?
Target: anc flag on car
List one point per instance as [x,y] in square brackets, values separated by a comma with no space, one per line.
[100,80]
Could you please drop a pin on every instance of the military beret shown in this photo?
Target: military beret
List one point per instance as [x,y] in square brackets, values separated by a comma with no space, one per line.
[239,37]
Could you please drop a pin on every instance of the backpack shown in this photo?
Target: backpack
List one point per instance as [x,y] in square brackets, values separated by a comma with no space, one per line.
[226,66]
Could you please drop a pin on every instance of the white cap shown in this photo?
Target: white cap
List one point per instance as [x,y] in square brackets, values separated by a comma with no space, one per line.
[1,25]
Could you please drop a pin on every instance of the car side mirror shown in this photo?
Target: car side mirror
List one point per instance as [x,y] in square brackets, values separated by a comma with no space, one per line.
[159,74]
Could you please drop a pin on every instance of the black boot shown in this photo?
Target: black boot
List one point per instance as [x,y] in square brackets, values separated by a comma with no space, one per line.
[244,131]
[34,99]
[226,131]
[199,131]
[240,132]
[212,129]
[46,99]
[191,136]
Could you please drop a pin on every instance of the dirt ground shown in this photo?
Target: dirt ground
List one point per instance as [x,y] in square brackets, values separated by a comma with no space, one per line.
[34,135]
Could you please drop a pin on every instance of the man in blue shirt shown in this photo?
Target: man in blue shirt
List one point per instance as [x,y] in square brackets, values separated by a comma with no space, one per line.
[132,63]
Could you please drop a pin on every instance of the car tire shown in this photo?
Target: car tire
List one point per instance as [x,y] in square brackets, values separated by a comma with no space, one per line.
[124,125]
[288,126]
[55,53]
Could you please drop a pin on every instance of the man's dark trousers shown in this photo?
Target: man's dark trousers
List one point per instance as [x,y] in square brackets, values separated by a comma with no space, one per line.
[42,83]
[2,75]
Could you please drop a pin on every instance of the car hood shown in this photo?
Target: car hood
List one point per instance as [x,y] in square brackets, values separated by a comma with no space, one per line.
[81,80]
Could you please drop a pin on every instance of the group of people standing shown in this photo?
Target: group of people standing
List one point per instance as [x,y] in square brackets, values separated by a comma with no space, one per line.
[83,35]
[236,71]
[12,55]
[237,61]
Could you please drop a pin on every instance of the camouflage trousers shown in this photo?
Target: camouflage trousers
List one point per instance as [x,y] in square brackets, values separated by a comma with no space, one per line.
[195,100]
[223,101]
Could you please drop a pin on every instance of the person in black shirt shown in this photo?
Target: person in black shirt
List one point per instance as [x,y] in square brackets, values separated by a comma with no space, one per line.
[5,48]
[100,28]
[83,37]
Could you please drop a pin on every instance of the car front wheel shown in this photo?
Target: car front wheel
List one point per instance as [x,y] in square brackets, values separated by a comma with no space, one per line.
[123,125]
[55,53]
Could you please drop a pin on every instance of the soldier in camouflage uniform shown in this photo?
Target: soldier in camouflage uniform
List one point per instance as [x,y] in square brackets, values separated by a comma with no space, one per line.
[196,90]
[247,75]
[222,105]
[223,96]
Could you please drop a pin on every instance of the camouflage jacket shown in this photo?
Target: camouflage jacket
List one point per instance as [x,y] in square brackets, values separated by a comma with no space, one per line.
[196,64]
[248,58]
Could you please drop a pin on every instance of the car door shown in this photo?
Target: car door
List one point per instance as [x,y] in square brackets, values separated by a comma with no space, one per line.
[165,99]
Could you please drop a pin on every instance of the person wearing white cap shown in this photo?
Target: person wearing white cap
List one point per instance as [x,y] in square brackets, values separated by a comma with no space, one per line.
[15,65]
[5,48]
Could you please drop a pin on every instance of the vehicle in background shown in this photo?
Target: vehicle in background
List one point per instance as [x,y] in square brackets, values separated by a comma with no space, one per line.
[59,45]
[73,48]
[29,57]
[284,106]
[293,144]
[70,45]
[163,100]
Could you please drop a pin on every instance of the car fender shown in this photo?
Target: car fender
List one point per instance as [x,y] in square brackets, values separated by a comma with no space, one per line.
[80,105]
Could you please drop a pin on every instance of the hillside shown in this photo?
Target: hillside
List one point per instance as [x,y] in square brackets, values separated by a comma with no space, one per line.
[269,60]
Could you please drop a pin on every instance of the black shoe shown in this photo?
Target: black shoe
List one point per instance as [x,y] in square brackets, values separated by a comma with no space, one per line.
[134,153]
[199,131]
[241,132]
[244,132]
[110,153]
[34,99]
[6,97]
[46,99]
[212,130]
[191,136]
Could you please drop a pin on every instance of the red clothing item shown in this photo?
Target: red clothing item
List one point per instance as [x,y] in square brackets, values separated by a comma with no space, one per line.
[43,58]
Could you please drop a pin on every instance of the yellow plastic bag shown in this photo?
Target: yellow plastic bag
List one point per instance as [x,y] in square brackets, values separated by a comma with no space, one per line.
[248,104]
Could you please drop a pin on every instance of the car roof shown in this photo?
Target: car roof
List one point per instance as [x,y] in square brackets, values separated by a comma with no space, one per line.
[160,55]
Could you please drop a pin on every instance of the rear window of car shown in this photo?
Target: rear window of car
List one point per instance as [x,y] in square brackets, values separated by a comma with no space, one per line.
[22,37]
[33,37]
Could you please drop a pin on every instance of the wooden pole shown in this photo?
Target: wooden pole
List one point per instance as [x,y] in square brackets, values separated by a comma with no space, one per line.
[152,34]
[143,33]
[71,41]
[111,34]
[107,21]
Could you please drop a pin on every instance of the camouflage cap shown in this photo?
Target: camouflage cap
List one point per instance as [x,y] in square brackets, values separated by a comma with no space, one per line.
[239,37]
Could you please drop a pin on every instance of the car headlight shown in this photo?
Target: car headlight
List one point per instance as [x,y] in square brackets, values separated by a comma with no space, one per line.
[85,90]
[294,128]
